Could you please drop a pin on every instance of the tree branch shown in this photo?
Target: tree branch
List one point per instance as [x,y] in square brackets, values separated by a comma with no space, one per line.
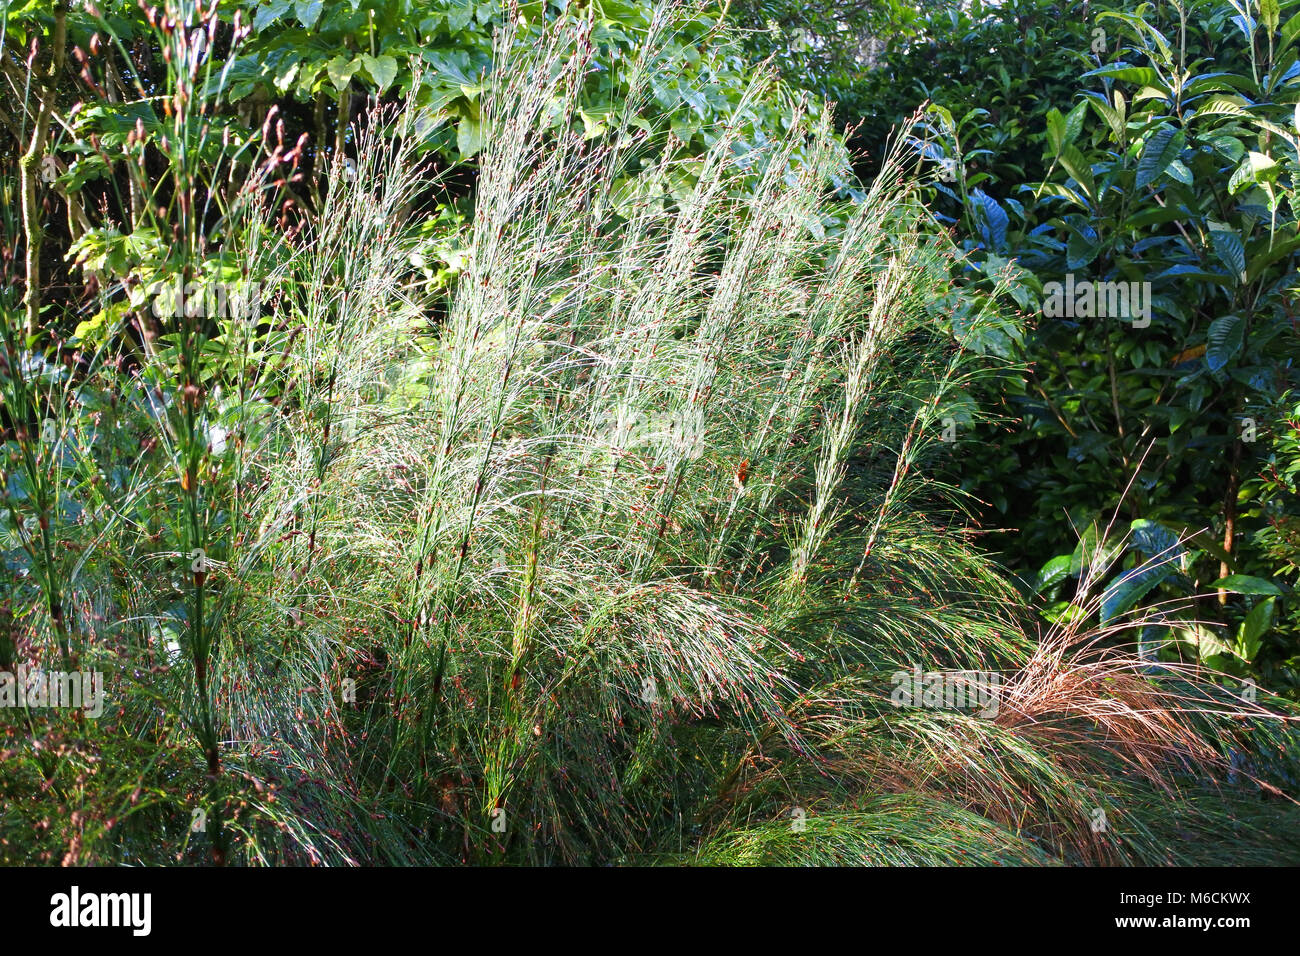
[30,166]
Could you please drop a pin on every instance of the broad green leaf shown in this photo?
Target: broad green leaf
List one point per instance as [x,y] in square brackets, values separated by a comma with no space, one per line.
[308,11]
[1246,584]
[469,137]
[1223,341]
[993,220]
[1255,168]
[269,12]
[1123,594]
[1210,83]
[1271,127]
[1222,106]
[1230,251]
[1150,639]
[460,13]
[1162,148]
[1185,270]
[1269,14]
[1055,570]
[1055,130]
[1079,169]
[285,80]
[1108,113]
[1229,147]
[1080,249]
[1143,75]
[1064,612]
[1207,642]
[1259,261]
[1178,170]
[1156,215]
[340,70]
[1056,190]
[945,116]
[1154,539]
[1092,556]
[382,69]
[1250,634]
[1290,30]
[593,124]
[1074,122]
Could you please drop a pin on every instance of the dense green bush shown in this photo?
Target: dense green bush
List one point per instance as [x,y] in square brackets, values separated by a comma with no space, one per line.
[1171,162]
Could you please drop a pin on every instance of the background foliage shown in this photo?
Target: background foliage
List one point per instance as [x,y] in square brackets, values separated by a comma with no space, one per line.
[1155,144]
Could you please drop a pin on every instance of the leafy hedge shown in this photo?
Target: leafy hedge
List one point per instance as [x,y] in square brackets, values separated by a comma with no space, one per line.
[1077,144]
